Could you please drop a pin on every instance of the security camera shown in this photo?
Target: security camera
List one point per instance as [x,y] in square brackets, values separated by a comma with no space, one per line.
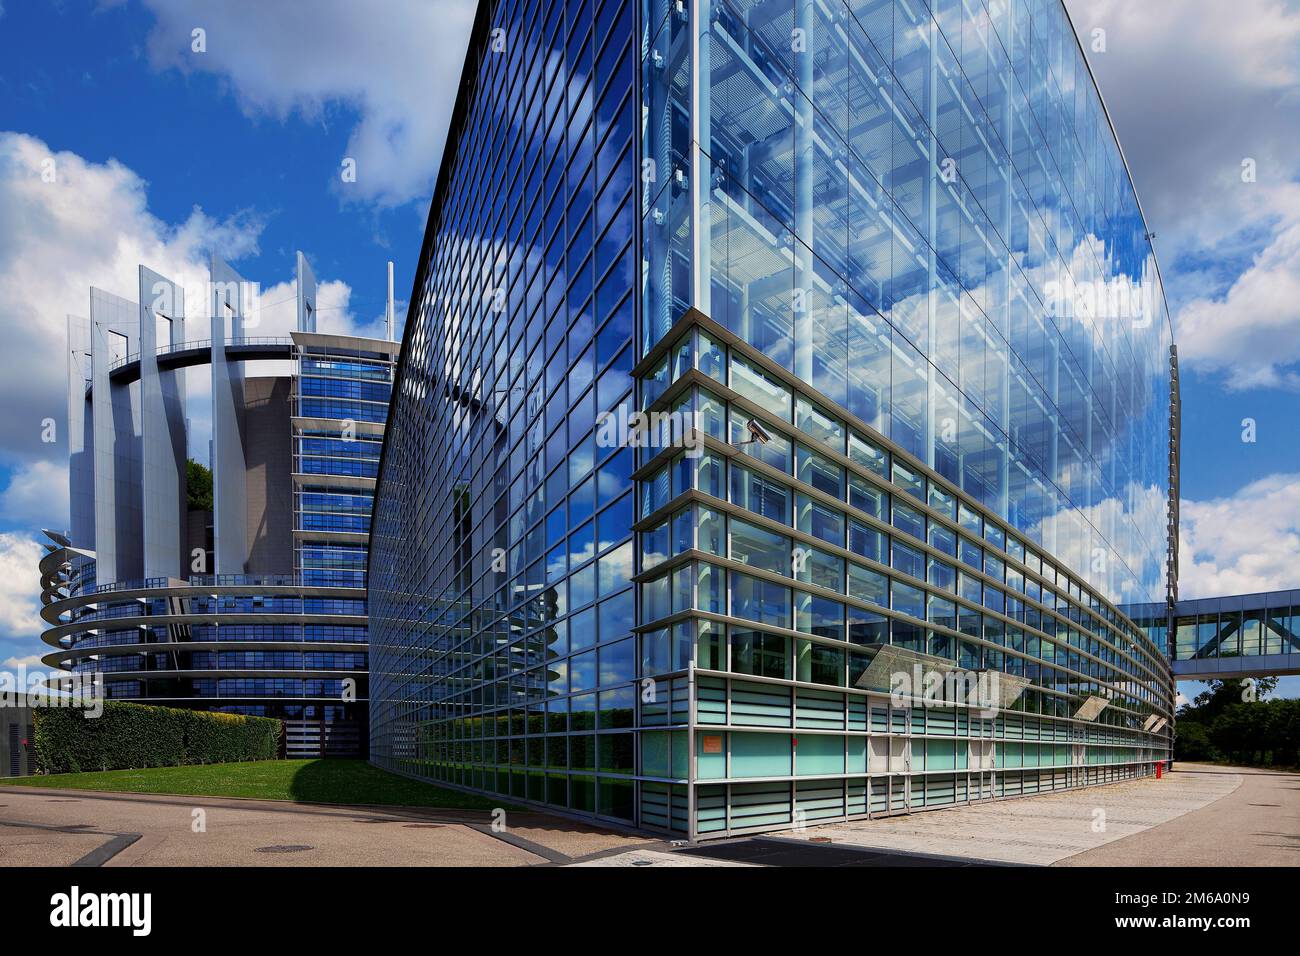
[758,433]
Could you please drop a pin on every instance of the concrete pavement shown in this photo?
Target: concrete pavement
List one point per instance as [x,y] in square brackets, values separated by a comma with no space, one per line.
[1197,815]
[1255,824]
[67,827]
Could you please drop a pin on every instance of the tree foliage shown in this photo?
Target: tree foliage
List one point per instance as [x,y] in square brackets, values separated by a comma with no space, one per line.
[198,486]
[1232,722]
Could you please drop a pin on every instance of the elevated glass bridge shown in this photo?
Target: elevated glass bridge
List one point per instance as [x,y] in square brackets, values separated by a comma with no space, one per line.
[1246,635]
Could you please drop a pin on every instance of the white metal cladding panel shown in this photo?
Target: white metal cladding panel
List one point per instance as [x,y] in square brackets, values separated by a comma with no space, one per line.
[163,440]
[229,489]
[119,531]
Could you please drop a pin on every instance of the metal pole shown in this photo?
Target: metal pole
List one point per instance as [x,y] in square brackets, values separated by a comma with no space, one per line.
[388,312]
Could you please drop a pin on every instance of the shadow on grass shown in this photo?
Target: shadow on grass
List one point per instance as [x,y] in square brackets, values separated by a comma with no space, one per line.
[357,782]
[332,781]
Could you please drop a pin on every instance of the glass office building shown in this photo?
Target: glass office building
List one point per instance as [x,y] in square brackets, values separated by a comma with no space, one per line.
[876,275]
[241,591]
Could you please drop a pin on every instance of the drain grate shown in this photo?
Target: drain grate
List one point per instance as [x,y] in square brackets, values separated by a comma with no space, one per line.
[421,826]
[284,848]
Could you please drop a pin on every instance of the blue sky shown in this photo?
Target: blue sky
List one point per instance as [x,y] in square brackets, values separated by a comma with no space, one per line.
[165,152]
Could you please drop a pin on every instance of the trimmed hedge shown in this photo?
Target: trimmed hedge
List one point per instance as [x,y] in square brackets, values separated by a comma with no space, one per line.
[135,736]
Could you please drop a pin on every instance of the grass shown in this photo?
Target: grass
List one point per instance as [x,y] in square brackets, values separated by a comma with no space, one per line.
[307,781]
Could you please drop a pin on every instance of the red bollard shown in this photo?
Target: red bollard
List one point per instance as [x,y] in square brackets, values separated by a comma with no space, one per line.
[1160,766]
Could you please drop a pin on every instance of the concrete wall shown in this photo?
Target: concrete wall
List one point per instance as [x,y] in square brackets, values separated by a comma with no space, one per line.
[227,460]
[198,534]
[268,455]
[81,436]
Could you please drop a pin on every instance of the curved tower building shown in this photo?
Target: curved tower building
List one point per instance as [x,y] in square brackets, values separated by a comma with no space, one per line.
[783,420]
[237,587]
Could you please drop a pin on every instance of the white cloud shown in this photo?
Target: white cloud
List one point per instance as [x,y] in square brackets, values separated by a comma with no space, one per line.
[30,662]
[1196,88]
[1253,331]
[20,586]
[397,65]
[90,226]
[278,314]
[37,495]
[1244,543]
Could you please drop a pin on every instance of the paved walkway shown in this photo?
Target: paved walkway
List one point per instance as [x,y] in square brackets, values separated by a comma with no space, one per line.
[1256,824]
[79,827]
[1198,815]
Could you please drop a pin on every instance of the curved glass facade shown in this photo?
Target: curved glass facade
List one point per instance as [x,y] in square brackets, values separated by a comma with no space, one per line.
[243,644]
[896,295]
[502,562]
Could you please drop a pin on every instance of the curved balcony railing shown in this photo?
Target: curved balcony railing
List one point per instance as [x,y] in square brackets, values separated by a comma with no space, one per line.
[196,344]
[208,580]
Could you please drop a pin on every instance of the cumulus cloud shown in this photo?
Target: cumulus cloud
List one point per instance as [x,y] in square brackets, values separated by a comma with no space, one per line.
[37,494]
[276,312]
[1251,332]
[1194,87]
[1197,88]
[30,662]
[20,591]
[71,224]
[91,225]
[397,67]
[1220,553]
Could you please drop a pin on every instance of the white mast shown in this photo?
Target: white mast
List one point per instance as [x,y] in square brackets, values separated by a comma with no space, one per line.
[389,312]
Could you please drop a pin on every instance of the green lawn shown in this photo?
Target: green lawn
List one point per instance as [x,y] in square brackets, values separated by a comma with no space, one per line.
[310,781]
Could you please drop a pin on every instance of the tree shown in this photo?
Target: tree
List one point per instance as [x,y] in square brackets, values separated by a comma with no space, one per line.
[1192,742]
[1226,722]
[1287,731]
[198,486]
[1221,694]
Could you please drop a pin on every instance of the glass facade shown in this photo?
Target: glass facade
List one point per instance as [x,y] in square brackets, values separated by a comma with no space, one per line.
[342,402]
[293,668]
[886,261]
[502,572]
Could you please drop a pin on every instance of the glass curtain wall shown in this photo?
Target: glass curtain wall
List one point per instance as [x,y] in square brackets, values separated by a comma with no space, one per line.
[899,238]
[920,210]
[885,256]
[503,614]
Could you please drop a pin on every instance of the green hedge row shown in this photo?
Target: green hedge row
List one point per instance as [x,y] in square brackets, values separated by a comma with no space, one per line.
[133,736]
